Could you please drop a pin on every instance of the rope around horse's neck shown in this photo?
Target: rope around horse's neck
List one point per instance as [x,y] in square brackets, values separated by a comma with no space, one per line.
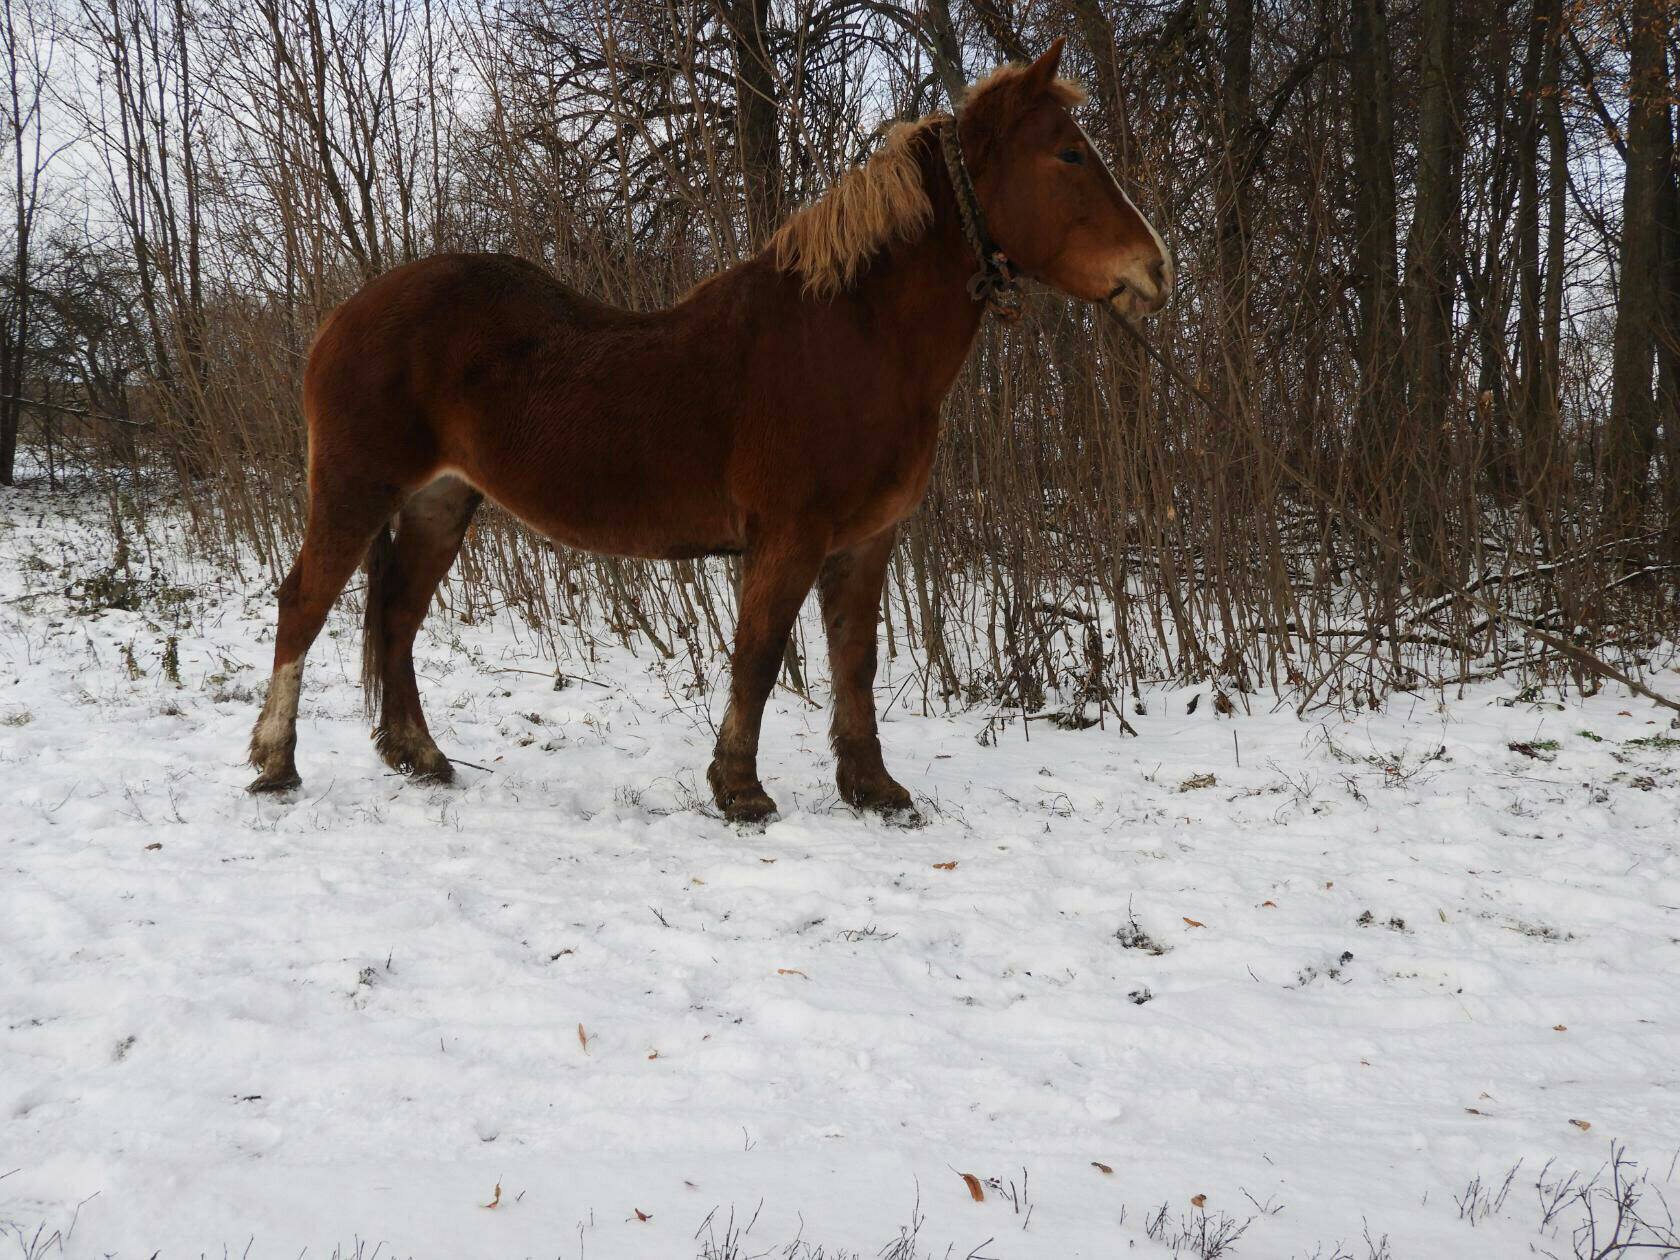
[1590,661]
[994,283]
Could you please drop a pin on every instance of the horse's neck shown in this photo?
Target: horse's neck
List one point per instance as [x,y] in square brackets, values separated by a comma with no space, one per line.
[918,292]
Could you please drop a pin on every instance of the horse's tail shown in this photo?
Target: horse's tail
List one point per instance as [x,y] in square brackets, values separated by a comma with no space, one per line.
[381,563]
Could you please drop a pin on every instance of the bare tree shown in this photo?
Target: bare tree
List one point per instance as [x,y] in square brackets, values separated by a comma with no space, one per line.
[1630,442]
[28,48]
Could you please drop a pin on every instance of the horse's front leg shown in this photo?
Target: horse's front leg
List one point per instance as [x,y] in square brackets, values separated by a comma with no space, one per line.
[850,590]
[776,575]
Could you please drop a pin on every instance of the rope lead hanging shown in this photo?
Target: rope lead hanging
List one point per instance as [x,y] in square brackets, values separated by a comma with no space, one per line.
[995,283]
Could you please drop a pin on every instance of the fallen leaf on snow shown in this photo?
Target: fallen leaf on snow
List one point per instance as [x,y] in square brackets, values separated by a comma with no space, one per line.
[156,844]
[944,866]
[768,861]
[1104,1169]
[641,1215]
[1192,922]
[975,1191]
[583,1039]
[1198,1200]
[654,1054]
[791,971]
[496,1200]
[1197,781]
[1272,904]
[1582,1125]
[1560,1027]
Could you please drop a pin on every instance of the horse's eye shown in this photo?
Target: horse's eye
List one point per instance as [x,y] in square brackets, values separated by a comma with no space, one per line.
[1073,157]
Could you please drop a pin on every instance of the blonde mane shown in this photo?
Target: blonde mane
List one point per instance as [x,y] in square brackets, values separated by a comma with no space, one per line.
[827,243]
[879,203]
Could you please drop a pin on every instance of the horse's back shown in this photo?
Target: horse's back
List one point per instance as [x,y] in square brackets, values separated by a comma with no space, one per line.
[410,361]
[577,415]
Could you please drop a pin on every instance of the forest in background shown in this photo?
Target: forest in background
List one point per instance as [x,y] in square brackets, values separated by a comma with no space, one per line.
[1423,393]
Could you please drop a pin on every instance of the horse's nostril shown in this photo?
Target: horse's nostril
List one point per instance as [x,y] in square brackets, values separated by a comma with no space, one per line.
[1158,272]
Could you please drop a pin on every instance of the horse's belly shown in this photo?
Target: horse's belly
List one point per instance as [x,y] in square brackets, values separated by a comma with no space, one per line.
[646,526]
[633,543]
[620,494]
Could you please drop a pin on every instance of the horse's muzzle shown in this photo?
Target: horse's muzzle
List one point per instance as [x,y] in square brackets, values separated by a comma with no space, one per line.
[1144,289]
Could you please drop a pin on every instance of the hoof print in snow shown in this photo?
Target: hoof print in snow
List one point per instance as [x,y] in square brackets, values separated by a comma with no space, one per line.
[365,980]
[1131,935]
[1394,924]
[1333,971]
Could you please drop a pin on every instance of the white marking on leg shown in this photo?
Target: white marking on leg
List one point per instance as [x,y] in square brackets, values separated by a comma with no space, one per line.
[279,715]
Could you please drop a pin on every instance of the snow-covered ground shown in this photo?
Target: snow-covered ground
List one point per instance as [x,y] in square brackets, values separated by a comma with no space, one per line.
[1326,987]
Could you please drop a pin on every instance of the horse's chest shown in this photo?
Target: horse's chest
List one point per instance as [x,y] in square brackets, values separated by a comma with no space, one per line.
[887,486]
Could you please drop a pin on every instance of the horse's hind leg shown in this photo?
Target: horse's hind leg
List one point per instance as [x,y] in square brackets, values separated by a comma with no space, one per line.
[401,583]
[342,522]
[850,590]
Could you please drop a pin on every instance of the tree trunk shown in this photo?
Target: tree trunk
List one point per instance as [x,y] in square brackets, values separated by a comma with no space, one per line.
[1375,232]
[1539,302]
[1098,33]
[1431,253]
[23,99]
[755,115]
[1631,440]
[1668,341]
[1557,188]
[945,50]
[1238,58]
[1001,30]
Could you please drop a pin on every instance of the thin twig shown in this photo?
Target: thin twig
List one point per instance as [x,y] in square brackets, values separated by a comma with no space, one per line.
[77,411]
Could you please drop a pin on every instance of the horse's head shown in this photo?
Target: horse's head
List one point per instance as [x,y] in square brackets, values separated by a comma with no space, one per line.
[1051,203]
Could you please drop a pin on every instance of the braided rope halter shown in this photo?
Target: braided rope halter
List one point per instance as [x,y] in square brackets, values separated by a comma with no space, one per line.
[995,283]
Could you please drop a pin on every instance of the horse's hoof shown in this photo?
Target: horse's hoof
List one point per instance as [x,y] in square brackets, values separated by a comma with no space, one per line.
[905,817]
[277,781]
[749,806]
[434,774]
[882,796]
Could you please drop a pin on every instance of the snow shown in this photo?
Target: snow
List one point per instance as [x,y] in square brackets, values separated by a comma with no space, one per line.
[340,1020]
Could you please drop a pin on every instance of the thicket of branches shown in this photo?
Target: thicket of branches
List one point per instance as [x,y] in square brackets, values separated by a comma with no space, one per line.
[1429,259]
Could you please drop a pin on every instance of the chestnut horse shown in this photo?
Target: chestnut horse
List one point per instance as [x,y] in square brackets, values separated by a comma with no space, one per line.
[786,411]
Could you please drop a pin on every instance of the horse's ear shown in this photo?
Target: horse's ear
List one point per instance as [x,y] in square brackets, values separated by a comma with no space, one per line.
[1041,73]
